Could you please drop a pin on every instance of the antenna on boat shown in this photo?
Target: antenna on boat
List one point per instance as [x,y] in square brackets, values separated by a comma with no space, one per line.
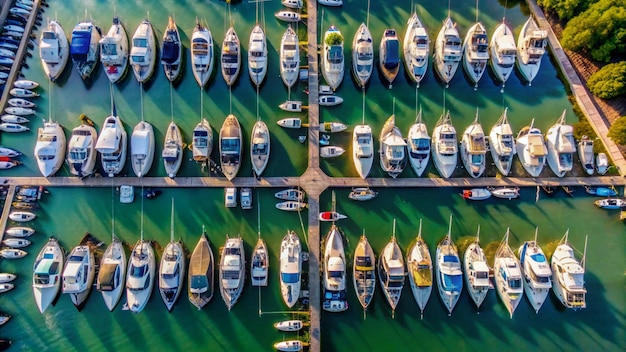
[583,261]
[172,222]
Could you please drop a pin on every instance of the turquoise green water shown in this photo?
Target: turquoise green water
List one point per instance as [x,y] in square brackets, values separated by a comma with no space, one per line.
[69,213]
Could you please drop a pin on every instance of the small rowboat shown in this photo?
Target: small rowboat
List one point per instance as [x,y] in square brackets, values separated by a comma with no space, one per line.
[7,277]
[12,253]
[294,4]
[16,242]
[505,192]
[291,205]
[19,231]
[14,110]
[10,152]
[291,194]
[22,216]
[330,100]
[13,119]
[291,106]
[25,84]
[601,191]
[289,325]
[476,194]
[610,203]
[288,16]
[332,127]
[21,103]
[4,318]
[331,151]
[290,122]
[8,164]
[362,194]
[331,216]
[13,127]
[6,287]
[289,345]
[602,163]
[23,93]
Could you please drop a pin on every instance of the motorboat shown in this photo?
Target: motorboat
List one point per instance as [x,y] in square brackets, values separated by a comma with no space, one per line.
[476,194]
[289,57]
[16,242]
[601,191]
[448,51]
[473,149]
[142,148]
[416,47]
[231,56]
[288,345]
[8,164]
[608,203]
[389,55]
[363,55]
[4,318]
[568,275]
[201,54]
[50,148]
[112,273]
[330,100]
[602,163]
[85,48]
[505,192]
[114,51]
[22,216]
[508,275]
[476,271]
[290,122]
[230,147]
[23,93]
[79,274]
[127,194]
[202,141]
[230,197]
[21,103]
[585,154]
[171,51]
[448,271]
[13,110]
[143,52]
[9,152]
[19,231]
[332,127]
[475,52]
[201,273]
[7,277]
[332,57]
[112,145]
[331,151]
[172,153]
[502,144]
[292,4]
[331,216]
[288,16]
[140,278]
[260,147]
[54,50]
[334,273]
[291,205]
[245,198]
[362,194]
[444,146]
[257,55]
[364,272]
[536,271]
[363,149]
[290,194]
[391,271]
[420,267]
[172,268]
[561,147]
[392,148]
[502,52]
[13,127]
[531,45]
[331,2]
[531,149]
[232,270]
[47,272]
[14,119]
[81,150]
[289,325]
[291,105]
[12,253]
[290,268]
[259,264]
[418,145]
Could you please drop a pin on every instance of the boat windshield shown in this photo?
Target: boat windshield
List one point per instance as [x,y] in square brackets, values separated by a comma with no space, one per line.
[539,258]
[138,271]
[335,54]
[140,42]
[290,278]
[453,283]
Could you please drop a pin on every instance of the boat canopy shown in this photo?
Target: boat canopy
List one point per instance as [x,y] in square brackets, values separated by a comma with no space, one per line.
[422,274]
[79,48]
[453,283]
[198,284]
[107,277]
[47,266]
[170,153]
[392,53]
[109,140]
[49,48]
[140,142]
[290,278]
[335,54]
[170,51]
[364,263]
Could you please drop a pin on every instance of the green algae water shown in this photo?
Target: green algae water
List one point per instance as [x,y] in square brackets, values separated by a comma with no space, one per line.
[69,213]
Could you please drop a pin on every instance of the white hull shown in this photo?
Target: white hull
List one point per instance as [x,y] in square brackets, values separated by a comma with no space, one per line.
[260,147]
[172,273]
[138,291]
[585,154]
[474,149]
[502,52]
[334,273]
[114,51]
[362,55]
[289,57]
[391,273]
[476,273]
[257,55]
[231,57]
[143,52]
[142,148]
[259,266]
[420,272]
[50,148]
[502,144]
[172,153]
[389,55]
[444,146]
[46,288]
[232,271]
[201,54]
[392,150]
[54,50]
[202,141]
[112,145]
[475,52]
[561,147]
[531,150]
[80,264]
[448,264]
[114,263]
[333,60]
[448,51]
[568,281]
[536,272]
[171,51]
[418,142]
[81,150]
[230,146]
[531,45]
[364,272]
[416,49]
[508,276]
[290,268]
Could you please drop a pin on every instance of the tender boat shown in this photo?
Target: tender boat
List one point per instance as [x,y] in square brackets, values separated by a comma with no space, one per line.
[502,51]
[505,192]
[536,271]
[230,147]
[332,127]
[290,122]
[585,154]
[112,273]
[201,54]
[290,268]
[21,103]
[47,274]
[420,268]
[81,150]
[12,253]
[362,194]
[140,278]
[289,57]
[172,153]
[363,55]
[508,275]
[13,110]
[142,148]
[561,147]
[143,52]
[331,151]
[476,194]
[531,45]
[391,271]
[8,164]
[7,277]
[114,51]
[13,127]
[418,145]
[112,145]
[334,272]
[531,149]
[476,271]
[232,270]
[364,272]
[448,271]
[202,141]
[474,148]
[85,48]
[289,345]
[331,2]
[291,105]
[601,191]
[448,51]
[201,273]
[22,216]
[16,242]
[260,147]
[9,152]
[602,163]
[502,144]
[257,55]
[287,16]
[171,51]
[289,325]
[291,205]
[259,265]
[231,56]
[331,216]
[4,318]
[389,55]
[608,203]
[475,52]
[54,50]
[568,275]
[79,274]
[444,146]
[292,4]
[23,93]
[6,287]
[363,149]
[332,57]
[392,148]
[330,100]
[50,148]
[290,194]
[19,231]
[416,47]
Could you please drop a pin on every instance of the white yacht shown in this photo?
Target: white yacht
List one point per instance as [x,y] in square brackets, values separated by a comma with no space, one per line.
[232,272]
[364,272]
[475,52]
[363,149]
[289,57]
[259,265]
[585,154]
[172,273]
[50,148]
[112,145]
[502,52]
[392,148]
[85,48]
[334,277]
[260,147]
[47,272]
[114,51]
[290,268]
[418,145]
[531,45]
[230,147]
[444,146]
[389,55]
[416,49]
[474,148]
[172,153]
[531,149]
[502,144]
[54,50]
[81,150]
[536,271]
[231,56]
[448,271]
[508,275]
[476,271]
[448,51]
[112,273]
[201,273]
[143,52]
[332,57]
[201,54]
[79,274]
[142,148]
[568,275]
[362,55]
[257,55]
[202,141]
[420,267]
[171,51]
[561,147]
[391,272]
[140,278]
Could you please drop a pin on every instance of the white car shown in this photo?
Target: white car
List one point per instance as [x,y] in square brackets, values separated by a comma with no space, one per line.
[230,197]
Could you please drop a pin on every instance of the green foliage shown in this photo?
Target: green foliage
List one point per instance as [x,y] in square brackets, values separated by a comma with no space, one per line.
[600,30]
[334,39]
[617,132]
[609,81]
[565,9]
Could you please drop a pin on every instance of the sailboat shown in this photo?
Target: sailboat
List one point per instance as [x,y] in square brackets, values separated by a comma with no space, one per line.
[171,51]
[420,266]
[201,273]
[475,51]
[561,146]
[448,271]
[448,50]
[418,145]
[172,269]
[391,271]
[112,273]
[201,54]
[531,149]
[232,271]
[531,45]
[259,265]
[172,150]
[362,55]
[230,146]
[476,271]
[142,148]
[536,271]
[260,147]
[502,144]
[364,272]
[231,56]
[444,146]
[474,148]
[502,52]
[392,148]
[290,268]
[508,275]
[568,275]
[114,51]
[289,57]
[416,49]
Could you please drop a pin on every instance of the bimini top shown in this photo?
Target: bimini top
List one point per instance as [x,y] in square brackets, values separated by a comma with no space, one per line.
[80,42]
[169,53]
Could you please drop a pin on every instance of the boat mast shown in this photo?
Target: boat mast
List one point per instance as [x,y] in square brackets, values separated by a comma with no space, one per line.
[583,261]
[476,11]
[419,232]
[142,197]
[172,223]
[450,229]
[478,234]
[536,231]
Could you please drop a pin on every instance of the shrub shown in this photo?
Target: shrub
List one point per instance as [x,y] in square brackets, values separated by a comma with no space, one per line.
[609,81]
[617,132]
[565,9]
[334,39]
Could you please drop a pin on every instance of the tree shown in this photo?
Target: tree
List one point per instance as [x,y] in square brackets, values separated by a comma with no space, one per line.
[565,9]
[617,132]
[609,81]
[334,39]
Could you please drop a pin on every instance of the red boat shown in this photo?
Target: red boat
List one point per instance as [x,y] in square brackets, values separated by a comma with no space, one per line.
[331,216]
